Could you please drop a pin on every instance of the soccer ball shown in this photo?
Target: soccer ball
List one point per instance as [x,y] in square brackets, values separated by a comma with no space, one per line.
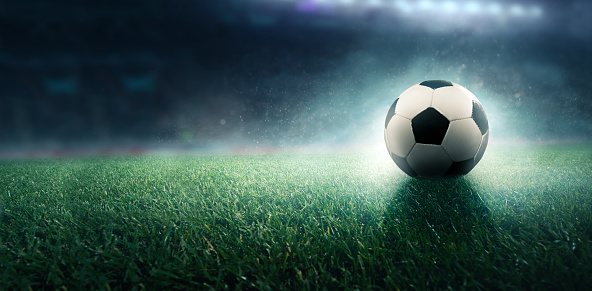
[436,128]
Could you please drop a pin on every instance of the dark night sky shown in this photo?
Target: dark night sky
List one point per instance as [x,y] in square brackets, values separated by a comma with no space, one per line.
[267,74]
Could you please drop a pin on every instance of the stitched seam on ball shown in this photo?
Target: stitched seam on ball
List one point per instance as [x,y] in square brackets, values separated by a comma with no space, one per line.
[447,153]
[407,155]
[401,116]
[460,118]
[478,149]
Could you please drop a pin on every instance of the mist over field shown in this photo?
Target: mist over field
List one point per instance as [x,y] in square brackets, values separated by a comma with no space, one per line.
[267,75]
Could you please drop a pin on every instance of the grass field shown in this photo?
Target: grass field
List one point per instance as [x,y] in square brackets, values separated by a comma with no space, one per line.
[521,219]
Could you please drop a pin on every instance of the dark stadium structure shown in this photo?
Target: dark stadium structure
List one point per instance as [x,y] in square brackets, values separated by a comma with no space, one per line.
[222,75]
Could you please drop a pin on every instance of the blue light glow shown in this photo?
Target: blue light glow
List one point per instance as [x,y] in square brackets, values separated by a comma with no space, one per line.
[405,6]
[536,11]
[517,10]
[473,7]
[494,8]
[440,13]
[425,4]
[450,7]
[375,2]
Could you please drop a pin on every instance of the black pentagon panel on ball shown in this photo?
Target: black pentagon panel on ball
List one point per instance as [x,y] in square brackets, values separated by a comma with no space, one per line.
[390,113]
[403,165]
[480,117]
[460,168]
[435,84]
[430,126]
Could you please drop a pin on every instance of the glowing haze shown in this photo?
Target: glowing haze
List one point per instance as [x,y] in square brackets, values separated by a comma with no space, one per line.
[283,74]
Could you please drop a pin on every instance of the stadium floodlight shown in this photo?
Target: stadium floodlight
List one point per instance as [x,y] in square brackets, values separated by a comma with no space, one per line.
[449,7]
[425,4]
[494,8]
[517,10]
[405,6]
[470,7]
[445,14]
[375,3]
[473,7]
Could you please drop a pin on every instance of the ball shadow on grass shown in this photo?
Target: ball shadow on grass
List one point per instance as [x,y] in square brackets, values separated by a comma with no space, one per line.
[440,234]
[436,212]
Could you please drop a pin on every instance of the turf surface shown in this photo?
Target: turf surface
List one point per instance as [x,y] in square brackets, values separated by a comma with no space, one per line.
[521,219]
